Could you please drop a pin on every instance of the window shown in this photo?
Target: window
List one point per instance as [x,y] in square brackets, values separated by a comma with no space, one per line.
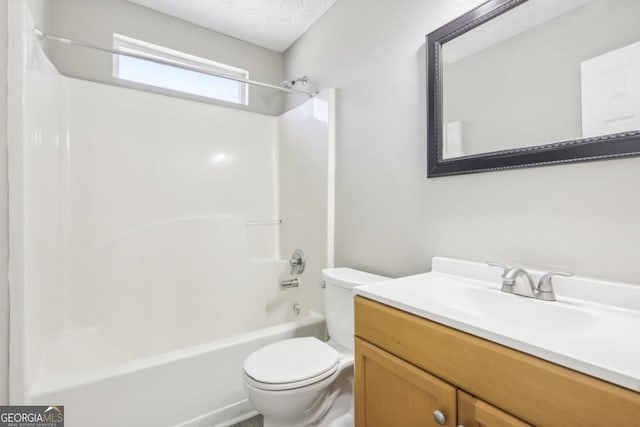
[174,78]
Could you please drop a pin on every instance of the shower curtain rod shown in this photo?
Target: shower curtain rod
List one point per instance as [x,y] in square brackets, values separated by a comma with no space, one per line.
[46,36]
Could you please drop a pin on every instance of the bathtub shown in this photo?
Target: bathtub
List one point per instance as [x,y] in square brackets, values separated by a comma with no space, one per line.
[137,292]
[195,386]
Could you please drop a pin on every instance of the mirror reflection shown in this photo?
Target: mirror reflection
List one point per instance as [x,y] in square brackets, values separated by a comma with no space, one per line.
[546,71]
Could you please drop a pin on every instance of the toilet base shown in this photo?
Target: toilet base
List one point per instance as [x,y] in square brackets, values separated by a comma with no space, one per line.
[339,413]
[345,420]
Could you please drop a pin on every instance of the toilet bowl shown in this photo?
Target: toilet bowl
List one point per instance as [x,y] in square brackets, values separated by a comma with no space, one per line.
[303,382]
[295,382]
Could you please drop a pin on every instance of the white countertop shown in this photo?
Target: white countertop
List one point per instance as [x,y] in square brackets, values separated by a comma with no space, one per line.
[600,338]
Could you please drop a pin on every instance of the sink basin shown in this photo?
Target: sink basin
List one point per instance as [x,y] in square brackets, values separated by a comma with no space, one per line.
[591,328]
[515,310]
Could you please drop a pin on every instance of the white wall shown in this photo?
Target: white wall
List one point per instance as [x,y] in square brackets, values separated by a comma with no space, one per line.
[392,220]
[4,240]
[95,21]
[305,146]
[39,12]
[160,190]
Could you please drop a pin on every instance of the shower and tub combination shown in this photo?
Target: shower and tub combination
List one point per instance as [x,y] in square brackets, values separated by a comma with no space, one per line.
[149,238]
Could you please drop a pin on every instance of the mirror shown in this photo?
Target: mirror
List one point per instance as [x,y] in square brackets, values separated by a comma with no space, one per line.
[521,83]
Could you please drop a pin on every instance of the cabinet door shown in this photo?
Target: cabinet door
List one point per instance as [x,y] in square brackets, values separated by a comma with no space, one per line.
[476,413]
[390,392]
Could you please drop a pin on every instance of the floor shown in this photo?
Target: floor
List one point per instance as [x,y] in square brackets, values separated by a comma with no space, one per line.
[252,422]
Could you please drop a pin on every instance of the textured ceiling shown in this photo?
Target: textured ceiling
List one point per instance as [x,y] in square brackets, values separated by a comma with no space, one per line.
[274,24]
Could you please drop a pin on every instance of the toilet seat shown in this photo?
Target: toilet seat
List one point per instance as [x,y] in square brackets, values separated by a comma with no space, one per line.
[290,386]
[291,363]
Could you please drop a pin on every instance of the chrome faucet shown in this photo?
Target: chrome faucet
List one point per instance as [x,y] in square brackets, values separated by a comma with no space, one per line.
[291,283]
[297,262]
[545,285]
[544,289]
[509,279]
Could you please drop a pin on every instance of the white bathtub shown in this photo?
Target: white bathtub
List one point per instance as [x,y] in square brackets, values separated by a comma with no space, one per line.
[195,386]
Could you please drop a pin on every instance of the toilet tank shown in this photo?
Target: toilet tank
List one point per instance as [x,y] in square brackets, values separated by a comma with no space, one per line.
[338,301]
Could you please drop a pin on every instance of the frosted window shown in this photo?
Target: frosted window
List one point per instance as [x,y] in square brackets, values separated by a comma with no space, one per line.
[174,78]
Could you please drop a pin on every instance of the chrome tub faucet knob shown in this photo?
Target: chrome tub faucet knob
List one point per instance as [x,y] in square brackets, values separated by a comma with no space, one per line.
[297,262]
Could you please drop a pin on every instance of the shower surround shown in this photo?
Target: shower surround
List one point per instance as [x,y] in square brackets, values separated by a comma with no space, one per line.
[147,246]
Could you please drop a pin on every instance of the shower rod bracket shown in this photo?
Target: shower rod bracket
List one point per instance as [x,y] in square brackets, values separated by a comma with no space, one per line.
[288,84]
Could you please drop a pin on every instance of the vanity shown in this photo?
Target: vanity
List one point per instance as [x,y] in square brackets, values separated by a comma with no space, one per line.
[451,348]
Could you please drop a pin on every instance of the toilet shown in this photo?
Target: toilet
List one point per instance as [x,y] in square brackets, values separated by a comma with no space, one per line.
[302,382]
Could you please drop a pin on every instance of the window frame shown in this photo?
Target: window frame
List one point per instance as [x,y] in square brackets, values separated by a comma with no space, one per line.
[139,47]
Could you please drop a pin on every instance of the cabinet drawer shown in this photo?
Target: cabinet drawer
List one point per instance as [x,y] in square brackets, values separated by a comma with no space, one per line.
[536,391]
[473,412]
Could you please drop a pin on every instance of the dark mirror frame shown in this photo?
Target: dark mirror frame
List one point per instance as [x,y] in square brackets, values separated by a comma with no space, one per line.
[599,148]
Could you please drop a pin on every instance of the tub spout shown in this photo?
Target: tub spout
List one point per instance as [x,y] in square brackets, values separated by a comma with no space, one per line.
[292,283]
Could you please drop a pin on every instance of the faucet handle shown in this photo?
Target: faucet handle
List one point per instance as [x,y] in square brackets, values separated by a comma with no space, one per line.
[508,285]
[546,285]
[297,262]
[505,268]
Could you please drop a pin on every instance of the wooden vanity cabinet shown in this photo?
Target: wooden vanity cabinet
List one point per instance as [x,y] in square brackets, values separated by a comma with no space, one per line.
[407,367]
[391,392]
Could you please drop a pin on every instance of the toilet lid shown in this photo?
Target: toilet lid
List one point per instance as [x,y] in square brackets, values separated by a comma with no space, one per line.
[291,360]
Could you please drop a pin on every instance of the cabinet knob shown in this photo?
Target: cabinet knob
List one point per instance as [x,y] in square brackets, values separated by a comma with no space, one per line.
[439,417]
